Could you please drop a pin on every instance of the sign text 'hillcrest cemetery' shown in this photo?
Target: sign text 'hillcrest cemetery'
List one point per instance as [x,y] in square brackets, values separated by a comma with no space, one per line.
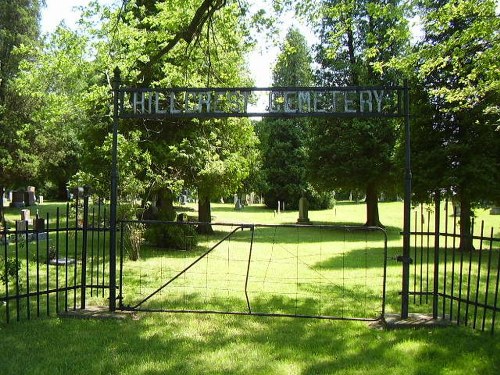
[261,102]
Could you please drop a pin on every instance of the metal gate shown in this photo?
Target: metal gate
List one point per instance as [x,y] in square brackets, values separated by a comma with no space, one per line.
[56,262]
[320,271]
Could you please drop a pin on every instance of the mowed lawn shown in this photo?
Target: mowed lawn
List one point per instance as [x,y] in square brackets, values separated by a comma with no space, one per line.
[187,343]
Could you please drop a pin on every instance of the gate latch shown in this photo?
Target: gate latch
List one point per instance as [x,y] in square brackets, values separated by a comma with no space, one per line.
[403,259]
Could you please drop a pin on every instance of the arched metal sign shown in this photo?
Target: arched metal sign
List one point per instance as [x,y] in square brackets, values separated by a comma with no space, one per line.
[283,102]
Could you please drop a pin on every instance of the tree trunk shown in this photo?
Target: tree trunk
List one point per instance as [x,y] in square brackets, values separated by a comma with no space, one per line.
[204,215]
[465,225]
[165,205]
[372,217]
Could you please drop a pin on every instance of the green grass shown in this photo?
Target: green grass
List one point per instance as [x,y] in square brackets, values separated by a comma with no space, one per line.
[215,344]
[183,343]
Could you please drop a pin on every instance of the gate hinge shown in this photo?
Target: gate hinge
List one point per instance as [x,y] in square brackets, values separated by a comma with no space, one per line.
[403,259]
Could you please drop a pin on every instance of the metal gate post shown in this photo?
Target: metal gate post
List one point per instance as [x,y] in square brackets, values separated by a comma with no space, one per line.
[405,289]
[114,194]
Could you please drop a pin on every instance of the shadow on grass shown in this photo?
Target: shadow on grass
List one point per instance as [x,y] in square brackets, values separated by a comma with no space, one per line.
[165,343]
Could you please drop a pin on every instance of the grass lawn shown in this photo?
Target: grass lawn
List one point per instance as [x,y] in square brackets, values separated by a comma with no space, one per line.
[183,343]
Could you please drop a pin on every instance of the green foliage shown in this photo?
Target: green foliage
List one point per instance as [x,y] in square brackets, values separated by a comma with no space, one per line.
[171,236]
[282,142]
[9,269]
[359,40]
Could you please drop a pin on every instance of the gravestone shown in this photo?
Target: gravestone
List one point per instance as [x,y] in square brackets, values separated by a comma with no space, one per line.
[17,199]
[29,196]
[495,210]
[303,211]
[21,226]
[39,224]
[26,216]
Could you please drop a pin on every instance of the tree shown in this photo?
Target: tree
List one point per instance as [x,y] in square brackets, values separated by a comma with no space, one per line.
[182,43]
[19,25]
[459,73]
[358,41]
[283,141]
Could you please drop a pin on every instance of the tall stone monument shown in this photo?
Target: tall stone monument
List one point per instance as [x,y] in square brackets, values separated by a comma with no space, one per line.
[303,211]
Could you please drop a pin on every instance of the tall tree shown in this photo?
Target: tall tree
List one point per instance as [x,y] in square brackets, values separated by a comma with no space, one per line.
[459,73]
[283,142]
[19,25]
[358,39]
[190,44]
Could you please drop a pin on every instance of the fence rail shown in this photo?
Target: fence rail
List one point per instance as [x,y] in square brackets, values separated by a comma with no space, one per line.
[461,285]
[55,265]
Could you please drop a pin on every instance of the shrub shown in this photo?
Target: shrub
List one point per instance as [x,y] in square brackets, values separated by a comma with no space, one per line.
[172,236]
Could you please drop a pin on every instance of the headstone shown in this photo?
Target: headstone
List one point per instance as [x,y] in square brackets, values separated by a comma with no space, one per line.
[495,210]
[29,197]
[279,204]
[26,216]
[10,196]
[40,199]
[17,199]
[303,211]
[39,224]
[20,226]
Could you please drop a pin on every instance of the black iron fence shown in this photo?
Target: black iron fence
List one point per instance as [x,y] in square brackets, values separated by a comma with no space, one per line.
[457,283]
[56,262]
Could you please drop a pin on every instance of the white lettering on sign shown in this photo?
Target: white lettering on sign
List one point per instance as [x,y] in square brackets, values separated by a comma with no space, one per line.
[193,102]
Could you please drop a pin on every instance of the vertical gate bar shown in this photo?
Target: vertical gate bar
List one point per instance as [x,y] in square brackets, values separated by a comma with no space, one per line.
[407,208]
[476,300]
[18,305]
[37,257]
[415,256]
[120,285]
[75,250]
[445,263]
[495,300]
[487,280]
[98,268]
[114,194]
[421,252]
[47,243]
[460,281]
[437,219]
[66,268]
[92,253]
[453,261]
[83,288]
[428,249]
[26,244]
[469,274]
[6,264]
[103,251]
[57,254]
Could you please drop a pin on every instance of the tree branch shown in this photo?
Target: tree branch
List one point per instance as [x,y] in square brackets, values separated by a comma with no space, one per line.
[204,12]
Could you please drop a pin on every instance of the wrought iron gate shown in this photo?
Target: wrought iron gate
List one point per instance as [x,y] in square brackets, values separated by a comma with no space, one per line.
[321,271]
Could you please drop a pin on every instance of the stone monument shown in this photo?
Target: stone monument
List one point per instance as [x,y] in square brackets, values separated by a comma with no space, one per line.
[303,211]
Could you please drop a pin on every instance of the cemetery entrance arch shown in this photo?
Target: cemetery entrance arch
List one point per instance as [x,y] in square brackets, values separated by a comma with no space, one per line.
[390,101]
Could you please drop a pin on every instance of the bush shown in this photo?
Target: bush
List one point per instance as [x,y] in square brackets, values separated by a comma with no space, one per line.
[172,236]
[9,269]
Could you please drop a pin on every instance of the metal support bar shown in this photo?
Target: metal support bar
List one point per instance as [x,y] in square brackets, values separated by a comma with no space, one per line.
[437,229]
[407,208]
[114,194]
[83,290]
